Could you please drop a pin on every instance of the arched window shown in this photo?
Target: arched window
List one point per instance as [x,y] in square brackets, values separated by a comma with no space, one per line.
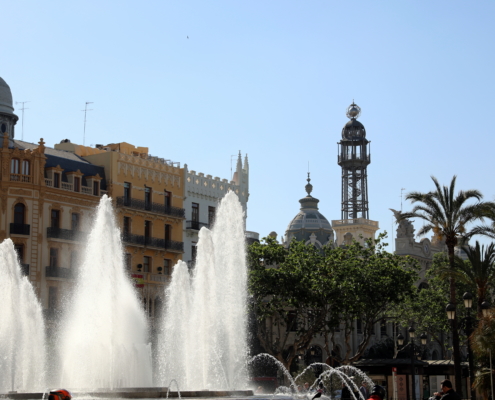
[19,213]
[25,167]
[14,166]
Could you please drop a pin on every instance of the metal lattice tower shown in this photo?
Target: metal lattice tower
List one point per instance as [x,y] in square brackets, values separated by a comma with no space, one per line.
[354,157]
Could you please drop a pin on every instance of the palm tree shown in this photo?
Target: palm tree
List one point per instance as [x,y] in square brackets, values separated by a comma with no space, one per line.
[478,273]
[447,214]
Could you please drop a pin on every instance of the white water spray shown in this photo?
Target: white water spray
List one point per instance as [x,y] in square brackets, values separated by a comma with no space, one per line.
[22,330]
[104,332]
[204,332]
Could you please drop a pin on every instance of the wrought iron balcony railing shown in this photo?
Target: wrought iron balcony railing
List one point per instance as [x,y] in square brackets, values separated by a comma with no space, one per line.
[196,225]
[65,234]
[58,272]
[20,229]
[153,242]
[152,207]
[25,269]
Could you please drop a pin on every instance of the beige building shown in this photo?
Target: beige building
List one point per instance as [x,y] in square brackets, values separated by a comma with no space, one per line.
[148,193]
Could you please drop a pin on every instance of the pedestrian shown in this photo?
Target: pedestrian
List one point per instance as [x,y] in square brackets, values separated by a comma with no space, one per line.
[377,393]
[447,393]
[364,390]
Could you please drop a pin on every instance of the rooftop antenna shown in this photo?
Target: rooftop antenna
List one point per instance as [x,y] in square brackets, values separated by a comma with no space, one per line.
[85,112]
[401,198]
[231,174]
[22,109]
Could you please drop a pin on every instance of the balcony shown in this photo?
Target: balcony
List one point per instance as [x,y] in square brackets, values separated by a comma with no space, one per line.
[25,269]
[149,241]
[70,188]
[151,207]
[20,178]
[196,225]
[65,234]
[58,272]
[20,229]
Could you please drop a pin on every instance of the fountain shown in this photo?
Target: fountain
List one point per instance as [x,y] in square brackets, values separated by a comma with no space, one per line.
[204,332]
[22,330]
[103,338]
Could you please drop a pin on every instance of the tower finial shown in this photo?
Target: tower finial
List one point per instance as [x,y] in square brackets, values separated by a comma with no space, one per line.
[309,186]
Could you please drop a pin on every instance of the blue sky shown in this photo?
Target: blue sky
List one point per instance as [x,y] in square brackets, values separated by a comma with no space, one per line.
[272,79]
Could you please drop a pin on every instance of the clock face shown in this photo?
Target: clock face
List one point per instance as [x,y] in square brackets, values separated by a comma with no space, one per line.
[426,248]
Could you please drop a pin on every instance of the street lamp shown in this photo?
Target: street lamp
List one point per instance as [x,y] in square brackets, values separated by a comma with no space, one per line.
[400,339]
[468,303]
[485,307]
[411,331]
[423,338]
[450,309]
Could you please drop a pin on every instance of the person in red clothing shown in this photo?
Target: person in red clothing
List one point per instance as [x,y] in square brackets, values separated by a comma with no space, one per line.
[59,394]
[377,393]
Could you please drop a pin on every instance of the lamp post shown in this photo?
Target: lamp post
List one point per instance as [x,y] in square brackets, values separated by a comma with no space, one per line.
[468,303]
[415,352]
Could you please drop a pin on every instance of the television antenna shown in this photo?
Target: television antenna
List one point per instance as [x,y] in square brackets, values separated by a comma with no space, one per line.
[22,109]
[85,112]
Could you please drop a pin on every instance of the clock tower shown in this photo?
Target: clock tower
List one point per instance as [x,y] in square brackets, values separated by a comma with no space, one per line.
[354,157]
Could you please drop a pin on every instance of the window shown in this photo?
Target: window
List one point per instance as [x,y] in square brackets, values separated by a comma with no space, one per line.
[75,221]
[96,188]
[383,328]
[127,193]
[74,257]
[77,184]
[194,252]
[359,326]
[127,225]
[146,264]
[147,198]
[128,261]
[166,267]
[53,257]
[55,218]
[14,166]
[147,232]
[168,199]
[195,212]
[168,232]
[211,216]
[19,249]
[52,297]
[19,213]
[150,308]
[56,180]
[25,167]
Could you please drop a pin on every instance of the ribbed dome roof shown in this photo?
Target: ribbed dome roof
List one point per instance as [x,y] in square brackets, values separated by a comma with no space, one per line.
[6,104]
[309,218]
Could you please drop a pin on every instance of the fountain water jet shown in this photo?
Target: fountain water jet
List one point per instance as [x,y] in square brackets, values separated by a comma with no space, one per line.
[104,332]
[204,332]
[22,330]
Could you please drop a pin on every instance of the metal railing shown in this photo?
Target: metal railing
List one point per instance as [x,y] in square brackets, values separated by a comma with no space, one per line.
[152,207]
[20,229]
[65,234]
[359,157]
[153,242]
[354,221]
[25,269]
[20,178]
[58,272]
[70,187]
[196,225]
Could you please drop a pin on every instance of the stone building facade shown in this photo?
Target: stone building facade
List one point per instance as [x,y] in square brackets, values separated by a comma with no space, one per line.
[202,196]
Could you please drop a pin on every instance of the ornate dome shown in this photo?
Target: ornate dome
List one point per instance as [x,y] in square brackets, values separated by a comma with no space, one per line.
[6,104]
[353,130]
[309,224]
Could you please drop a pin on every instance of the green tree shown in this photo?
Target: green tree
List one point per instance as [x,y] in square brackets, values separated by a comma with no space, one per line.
[288,299]
[448,214]
[301,292]
[483,343]
[368,282]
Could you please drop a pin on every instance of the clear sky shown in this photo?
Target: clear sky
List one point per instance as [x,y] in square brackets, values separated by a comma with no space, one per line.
[269,78]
